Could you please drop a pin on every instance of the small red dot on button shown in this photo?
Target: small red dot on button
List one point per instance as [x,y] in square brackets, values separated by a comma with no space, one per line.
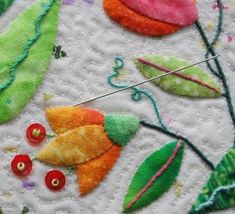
[21,165]
[36,133]
[55,180]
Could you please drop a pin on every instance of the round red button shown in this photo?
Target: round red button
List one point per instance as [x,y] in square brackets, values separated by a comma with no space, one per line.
[21,165]
[36,133]
[55,180]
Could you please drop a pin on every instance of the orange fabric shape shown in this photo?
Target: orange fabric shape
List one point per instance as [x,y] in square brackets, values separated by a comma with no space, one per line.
[134,21]
[76,146]
[65,118]
[90,174]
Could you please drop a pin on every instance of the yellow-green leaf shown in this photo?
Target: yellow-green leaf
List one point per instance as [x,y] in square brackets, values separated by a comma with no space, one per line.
[191,82]
[25,53]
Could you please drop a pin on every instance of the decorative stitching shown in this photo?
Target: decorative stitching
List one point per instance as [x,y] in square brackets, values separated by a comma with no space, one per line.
[27,46]
[212,198]
[156,176]
[181,75]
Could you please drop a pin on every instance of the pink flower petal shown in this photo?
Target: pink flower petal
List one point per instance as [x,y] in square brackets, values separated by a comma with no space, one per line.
[178,12]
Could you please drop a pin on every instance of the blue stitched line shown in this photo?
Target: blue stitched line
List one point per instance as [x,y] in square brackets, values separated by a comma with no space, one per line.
[28,45]
[137,92]
[212,198]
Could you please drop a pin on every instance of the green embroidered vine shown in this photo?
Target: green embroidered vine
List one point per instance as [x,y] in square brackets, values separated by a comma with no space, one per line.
[219,73]
[31,41]
[4,4]
[137,96]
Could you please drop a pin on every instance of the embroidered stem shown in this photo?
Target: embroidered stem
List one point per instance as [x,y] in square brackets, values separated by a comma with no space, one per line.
[179,137]
[222,77]
[211,200]
[156,176]
[217,35]
[181,75]
[137,93]
[31,41]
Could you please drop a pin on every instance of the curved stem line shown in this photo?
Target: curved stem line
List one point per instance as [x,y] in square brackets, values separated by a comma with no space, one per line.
[220,70]
[179,137]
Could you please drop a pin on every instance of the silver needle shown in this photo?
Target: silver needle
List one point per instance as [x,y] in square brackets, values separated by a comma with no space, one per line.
[143,82]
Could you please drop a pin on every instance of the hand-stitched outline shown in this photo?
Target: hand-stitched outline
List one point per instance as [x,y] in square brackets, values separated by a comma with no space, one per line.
[31,41]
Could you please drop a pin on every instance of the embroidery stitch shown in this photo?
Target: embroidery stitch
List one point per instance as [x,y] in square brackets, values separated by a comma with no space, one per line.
[20,91]
[155,177]
[181,75]
[27,47]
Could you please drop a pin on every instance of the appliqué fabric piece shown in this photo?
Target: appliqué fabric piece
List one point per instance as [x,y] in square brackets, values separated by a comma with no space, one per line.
[87,138]
[65,118]
[90,174]
[219,192]
[154,176]
[4,5]
[121,128]
[177,12]
[191,82]
[26,49]
[76,146]
[128,18]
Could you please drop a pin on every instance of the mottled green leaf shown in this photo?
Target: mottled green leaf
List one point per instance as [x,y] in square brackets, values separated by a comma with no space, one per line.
[154,176]
[30,72]
[219,192]
[192,82]
[4,5]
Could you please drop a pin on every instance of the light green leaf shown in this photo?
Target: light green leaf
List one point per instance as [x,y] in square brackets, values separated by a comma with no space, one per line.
[154,176]
[192,82]
[219,192]
[4,5]
[24,34]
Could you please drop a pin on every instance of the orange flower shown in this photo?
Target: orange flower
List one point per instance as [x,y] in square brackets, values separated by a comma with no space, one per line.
[88,139]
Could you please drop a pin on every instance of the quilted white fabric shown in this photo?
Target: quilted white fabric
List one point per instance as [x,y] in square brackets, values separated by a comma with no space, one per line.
[91,41]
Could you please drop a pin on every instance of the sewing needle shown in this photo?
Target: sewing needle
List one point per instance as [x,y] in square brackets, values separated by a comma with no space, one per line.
[143,82]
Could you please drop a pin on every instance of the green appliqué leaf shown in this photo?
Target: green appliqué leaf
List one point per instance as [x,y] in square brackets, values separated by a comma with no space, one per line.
[24,39]
[192,82]
[154,177]
[4,5]
[219,192]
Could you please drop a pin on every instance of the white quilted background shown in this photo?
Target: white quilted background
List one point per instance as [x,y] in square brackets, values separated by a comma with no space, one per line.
[91,41]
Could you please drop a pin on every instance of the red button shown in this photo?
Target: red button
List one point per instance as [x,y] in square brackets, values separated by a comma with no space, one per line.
[21,165]
[36,133]
[55,180]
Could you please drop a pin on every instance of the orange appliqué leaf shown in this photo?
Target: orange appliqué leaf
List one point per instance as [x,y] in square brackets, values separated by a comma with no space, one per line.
[76,146]
[90,174]
[65,118]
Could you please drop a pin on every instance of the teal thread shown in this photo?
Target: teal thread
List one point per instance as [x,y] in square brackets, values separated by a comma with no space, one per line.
[179,137]
[136,93]
[137,96]
[210,48]
[27,47]
[211,200]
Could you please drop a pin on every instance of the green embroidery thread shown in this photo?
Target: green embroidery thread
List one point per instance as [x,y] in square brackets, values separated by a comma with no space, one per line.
[29,72]
[4,5]
[28,45]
